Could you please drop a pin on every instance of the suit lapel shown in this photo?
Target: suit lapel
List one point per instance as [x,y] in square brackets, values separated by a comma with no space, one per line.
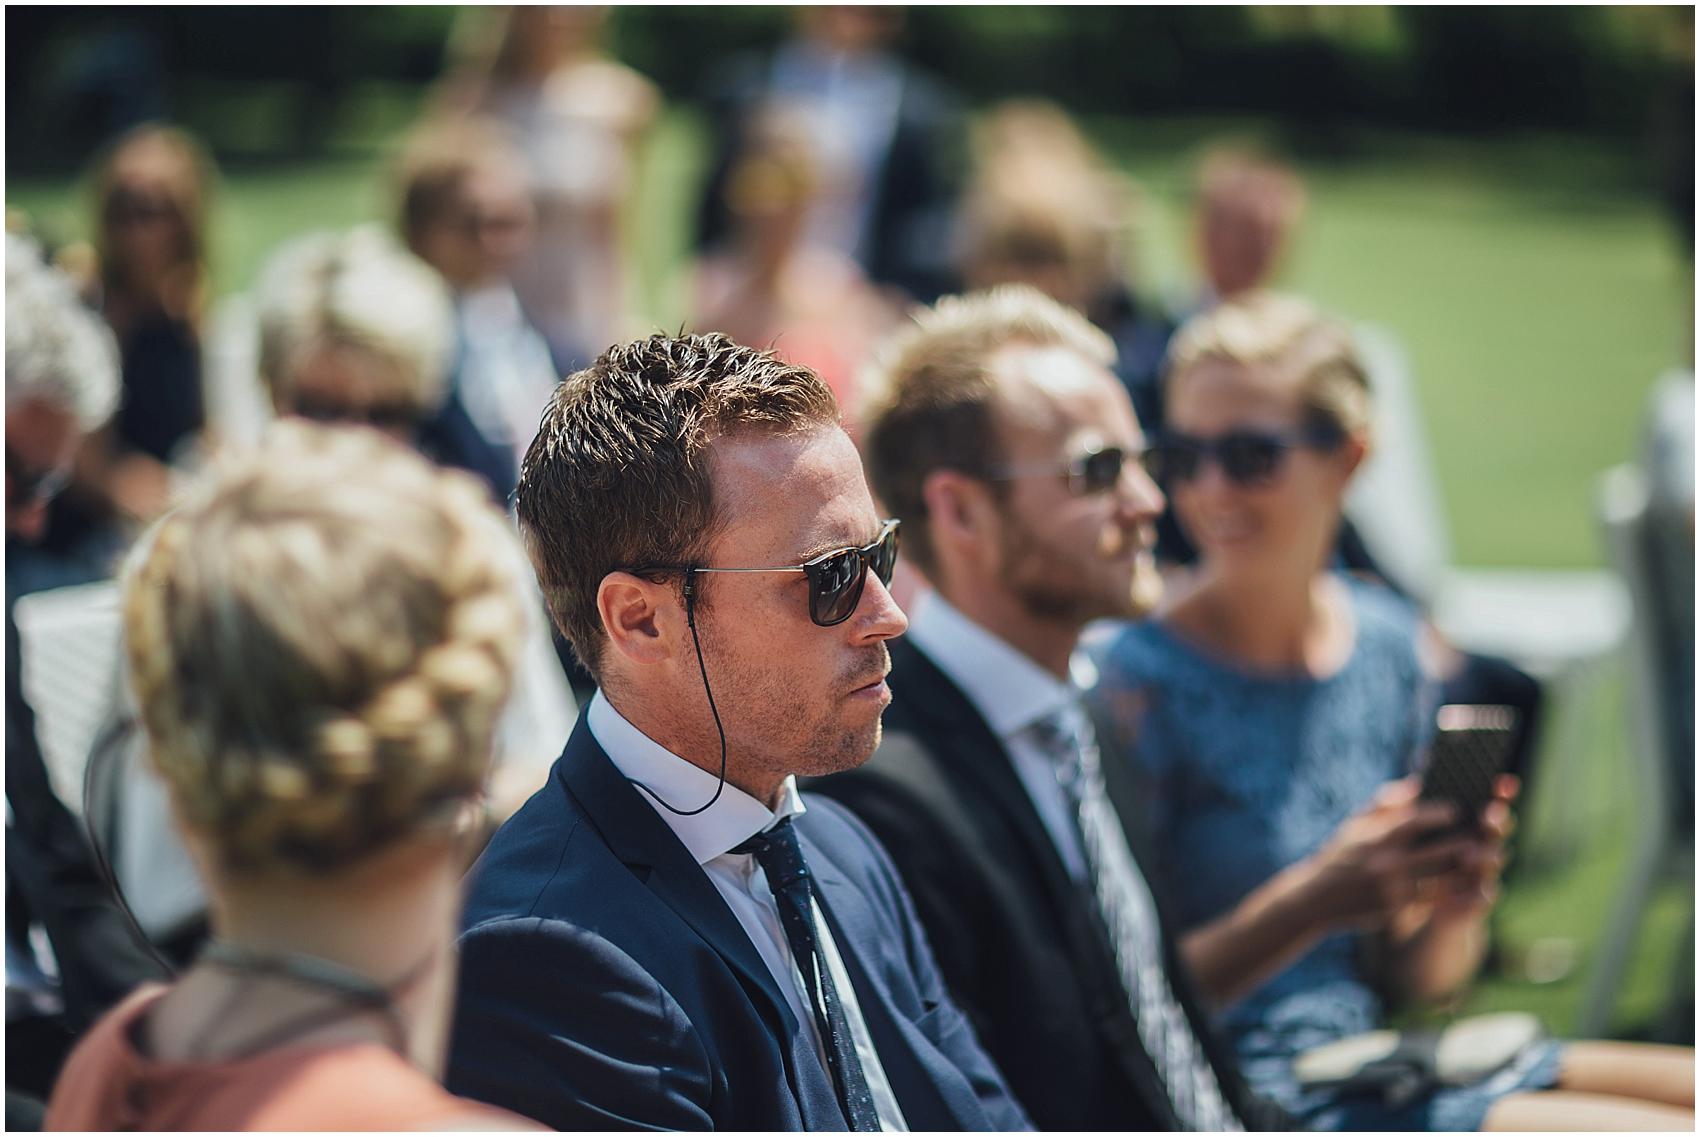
[853,925]
[981,765]
[978,760]
[642,841]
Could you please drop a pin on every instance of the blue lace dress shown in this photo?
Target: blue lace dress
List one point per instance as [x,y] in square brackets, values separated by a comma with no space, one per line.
[1243,774]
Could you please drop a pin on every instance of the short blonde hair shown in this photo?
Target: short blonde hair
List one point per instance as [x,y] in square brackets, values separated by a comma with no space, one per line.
[932,392]
[1290,336]
[57,351]
[321,639]
[356,290]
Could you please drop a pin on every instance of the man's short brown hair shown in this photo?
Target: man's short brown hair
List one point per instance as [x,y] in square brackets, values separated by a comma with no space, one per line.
[933,393]
[618,476]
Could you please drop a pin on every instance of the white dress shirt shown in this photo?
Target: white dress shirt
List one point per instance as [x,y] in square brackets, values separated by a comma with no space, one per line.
[708,836]
[506,374]
[1012,693]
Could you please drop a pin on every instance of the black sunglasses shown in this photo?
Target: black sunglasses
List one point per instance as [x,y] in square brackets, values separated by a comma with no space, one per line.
[836,578]
[392,416]
[30,487]
[130,207]
[1096,471]
[1247,457]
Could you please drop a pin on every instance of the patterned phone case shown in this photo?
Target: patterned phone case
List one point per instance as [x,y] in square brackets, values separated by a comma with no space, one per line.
[1469,752]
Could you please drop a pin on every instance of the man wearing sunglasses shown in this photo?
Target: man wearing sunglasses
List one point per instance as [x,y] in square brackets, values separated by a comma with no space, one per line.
[1010,452]
[668,935]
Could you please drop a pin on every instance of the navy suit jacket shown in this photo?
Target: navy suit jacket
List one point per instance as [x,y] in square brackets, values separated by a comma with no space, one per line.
[604,982]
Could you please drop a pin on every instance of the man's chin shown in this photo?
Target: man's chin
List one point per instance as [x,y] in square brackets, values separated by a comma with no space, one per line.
[854,749]
[1146,590]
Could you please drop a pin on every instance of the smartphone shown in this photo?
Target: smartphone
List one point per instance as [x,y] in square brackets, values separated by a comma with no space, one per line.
[1472,744]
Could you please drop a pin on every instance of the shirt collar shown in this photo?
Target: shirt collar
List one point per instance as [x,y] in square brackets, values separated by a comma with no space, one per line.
[1010,691]
[730,821]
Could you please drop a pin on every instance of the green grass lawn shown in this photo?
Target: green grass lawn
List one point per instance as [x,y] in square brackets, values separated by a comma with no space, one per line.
[1535,286]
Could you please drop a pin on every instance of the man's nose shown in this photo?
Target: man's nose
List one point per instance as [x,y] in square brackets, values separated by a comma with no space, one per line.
[883,619]
[1137,494]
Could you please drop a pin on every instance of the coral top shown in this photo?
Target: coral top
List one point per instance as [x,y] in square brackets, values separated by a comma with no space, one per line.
[108,1084]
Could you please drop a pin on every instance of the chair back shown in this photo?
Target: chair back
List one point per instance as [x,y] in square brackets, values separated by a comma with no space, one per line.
[68,642]
[1395,501]
[1624,522]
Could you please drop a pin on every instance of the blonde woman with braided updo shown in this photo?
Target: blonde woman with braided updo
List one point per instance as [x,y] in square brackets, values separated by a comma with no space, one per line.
[321,641]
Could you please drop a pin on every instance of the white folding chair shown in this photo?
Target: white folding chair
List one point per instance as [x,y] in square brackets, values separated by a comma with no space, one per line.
[68,640]
[1623,515]
[1547,621]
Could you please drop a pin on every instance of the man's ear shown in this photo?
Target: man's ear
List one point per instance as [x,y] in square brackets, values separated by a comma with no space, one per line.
[1354,451]
[642,618]
[960,511]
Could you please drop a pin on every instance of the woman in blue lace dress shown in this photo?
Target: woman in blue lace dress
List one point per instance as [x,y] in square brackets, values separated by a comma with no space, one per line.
[1274,710]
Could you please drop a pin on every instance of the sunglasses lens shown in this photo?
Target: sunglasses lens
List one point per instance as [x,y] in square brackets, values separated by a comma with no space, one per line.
[1151,461]
[837,587]
[1101,470]
[836,581]
[1249,458]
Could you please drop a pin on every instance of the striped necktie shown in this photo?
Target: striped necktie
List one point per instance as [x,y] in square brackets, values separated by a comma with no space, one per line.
[1130,918]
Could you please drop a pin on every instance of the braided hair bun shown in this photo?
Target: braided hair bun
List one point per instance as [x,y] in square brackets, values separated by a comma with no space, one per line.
[322,638]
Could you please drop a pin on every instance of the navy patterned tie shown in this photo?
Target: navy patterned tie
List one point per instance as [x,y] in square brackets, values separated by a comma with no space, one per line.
[781,858]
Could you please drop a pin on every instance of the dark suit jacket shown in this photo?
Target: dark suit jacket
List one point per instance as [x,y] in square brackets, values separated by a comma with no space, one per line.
[51,876]
[1020,943]
[604,982]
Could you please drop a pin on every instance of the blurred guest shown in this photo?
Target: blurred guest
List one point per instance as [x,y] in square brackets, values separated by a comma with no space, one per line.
[885,136]
[1247,207]
[1044,208]
[321,640]
[355,330]
[69,952]
[152,196]
[1009,452]
[770,284]
[579,118]
[1271,712]
[465,210]
[61,384]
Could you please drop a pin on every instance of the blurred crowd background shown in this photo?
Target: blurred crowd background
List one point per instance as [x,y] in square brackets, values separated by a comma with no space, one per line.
[1501,199]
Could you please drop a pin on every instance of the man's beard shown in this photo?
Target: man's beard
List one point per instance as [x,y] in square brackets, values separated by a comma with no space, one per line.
[1051,586]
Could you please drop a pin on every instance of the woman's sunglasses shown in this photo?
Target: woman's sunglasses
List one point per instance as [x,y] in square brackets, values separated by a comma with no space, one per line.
[1247,457]
[400,415]
[836,578]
